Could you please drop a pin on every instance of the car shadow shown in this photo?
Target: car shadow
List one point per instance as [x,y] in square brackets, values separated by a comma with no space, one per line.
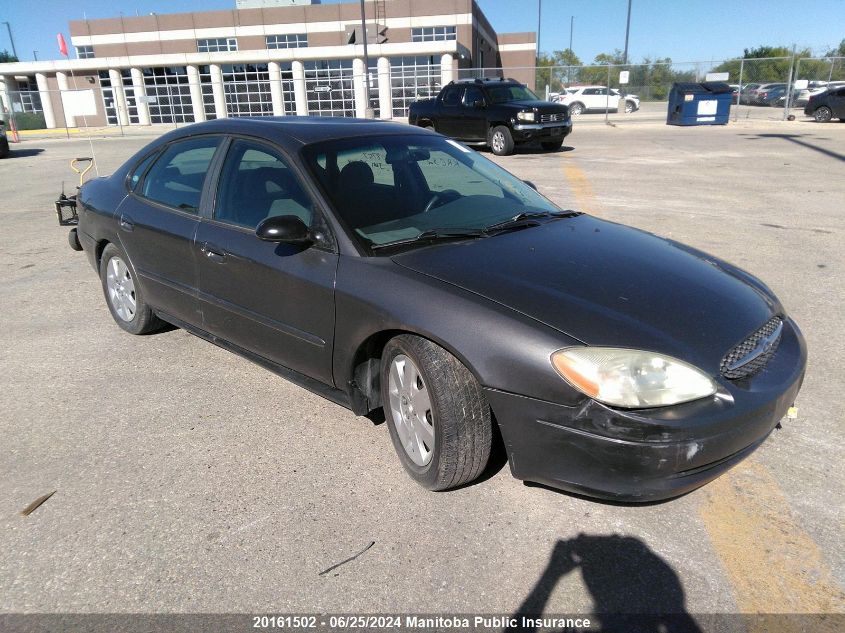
[798,140]
[633,589]
[22,153]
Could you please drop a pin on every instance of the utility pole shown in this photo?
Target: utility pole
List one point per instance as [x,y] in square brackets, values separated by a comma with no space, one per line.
[571,28]
[627,32]
[11,39]
[539,18]
[369,112]
[35,55]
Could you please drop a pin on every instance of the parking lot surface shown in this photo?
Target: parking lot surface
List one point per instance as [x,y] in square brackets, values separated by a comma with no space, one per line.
[190,480]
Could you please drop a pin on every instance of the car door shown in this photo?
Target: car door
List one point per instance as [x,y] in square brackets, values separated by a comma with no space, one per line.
[836,101]
[272,299]
[158,220]
[473,115]
[448,119]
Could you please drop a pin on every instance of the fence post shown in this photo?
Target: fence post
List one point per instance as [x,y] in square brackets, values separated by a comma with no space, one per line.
[607,96]
[739,94]
[789,83]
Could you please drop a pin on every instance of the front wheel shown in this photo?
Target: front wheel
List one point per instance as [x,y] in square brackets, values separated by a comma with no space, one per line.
[552,146]
[576,109]
[439,421]
[823,114]
[123,296]
[501,141]
[629,107]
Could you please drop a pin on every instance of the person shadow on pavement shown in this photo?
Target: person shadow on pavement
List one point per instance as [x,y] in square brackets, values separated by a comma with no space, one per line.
[633,589]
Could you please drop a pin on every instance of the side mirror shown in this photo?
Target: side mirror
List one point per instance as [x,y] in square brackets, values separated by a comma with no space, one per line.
[530,184]
[288,229]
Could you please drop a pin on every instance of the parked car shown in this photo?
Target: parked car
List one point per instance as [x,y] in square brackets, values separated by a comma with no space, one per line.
[747,93]
[761,93]
[500,113]
[776,97]
[4,140]
[388,268]
[804,94]
[827,105]
[584,99]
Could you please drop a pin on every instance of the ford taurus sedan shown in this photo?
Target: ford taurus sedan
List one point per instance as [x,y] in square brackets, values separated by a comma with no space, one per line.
[389,268]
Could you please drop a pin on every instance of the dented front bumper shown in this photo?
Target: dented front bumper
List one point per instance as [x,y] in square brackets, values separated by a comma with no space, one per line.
[648,455]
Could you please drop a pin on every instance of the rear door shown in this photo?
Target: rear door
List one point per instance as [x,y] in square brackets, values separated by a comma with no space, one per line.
[274,300]
[836,100]
[158,222]
[473,117]
[448,119]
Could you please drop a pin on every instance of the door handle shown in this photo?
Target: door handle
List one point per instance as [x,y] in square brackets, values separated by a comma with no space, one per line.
[213,253]
[126,224]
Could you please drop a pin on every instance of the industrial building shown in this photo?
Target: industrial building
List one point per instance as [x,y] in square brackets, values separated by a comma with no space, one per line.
[265,57]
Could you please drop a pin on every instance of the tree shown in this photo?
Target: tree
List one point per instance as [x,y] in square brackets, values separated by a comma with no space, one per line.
[838,51]
[6,57]
[771,64]
[554,69]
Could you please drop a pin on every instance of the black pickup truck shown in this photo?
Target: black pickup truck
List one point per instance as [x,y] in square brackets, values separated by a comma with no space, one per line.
[497,112]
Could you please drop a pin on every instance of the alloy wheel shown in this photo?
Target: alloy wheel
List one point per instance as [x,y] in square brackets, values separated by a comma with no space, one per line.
[121,289]
[411,409]
[498,141]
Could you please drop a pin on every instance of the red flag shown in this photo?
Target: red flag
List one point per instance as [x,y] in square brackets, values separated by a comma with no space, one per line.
[62,45]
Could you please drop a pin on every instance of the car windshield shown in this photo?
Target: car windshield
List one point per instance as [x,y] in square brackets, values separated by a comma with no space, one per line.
[510,92]
[393,189]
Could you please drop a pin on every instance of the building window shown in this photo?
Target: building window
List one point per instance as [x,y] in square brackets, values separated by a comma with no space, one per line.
[217,45]
[84,52]
[413,78]
[168,94]
[295,40]
[247,90]
[328,87]
[24,96]
[110,103]
[433,34]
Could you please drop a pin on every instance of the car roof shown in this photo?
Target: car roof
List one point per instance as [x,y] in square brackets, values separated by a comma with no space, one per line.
[292,131]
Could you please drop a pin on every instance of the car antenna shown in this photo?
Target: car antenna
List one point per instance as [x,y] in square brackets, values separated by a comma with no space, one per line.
[63,50]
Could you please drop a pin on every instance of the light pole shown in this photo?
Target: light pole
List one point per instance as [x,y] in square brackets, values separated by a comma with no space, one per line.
[571,28]
[627,32]
[35,55]
[11,39]
[369,111]
[539,17]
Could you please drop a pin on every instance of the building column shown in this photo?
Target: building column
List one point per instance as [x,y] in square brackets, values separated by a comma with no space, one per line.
[385,96]
[217,88]
[46,102]
[447,69]
[140,96]
[116,79]
[61,79]
[196,94]
[359,87]
[276,97]
[299,88]
[5,102]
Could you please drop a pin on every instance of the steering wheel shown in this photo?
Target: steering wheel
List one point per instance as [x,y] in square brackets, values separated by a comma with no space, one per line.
[447,195]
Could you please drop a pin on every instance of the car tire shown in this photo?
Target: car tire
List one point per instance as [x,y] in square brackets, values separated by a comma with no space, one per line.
[451,413]
[123,294]
[576,109]
[823,114]
[552,146]
[629,107]
[428,126]
[501,141]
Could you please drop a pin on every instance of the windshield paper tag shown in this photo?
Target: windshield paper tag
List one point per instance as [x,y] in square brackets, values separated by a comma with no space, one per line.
[466,150]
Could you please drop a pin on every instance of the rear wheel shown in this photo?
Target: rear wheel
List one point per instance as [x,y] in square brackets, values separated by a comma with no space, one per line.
[629,107]
[501,141]
[552,146]
[823,114]
[123,296]
[438,418]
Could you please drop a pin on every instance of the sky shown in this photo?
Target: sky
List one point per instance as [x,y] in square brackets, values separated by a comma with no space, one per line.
[685,30]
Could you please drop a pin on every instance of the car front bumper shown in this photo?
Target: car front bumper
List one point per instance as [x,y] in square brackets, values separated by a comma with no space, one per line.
[647,455]
[524,132]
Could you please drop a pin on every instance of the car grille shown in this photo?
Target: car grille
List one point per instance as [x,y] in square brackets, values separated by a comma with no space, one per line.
[551,118]
[752,354]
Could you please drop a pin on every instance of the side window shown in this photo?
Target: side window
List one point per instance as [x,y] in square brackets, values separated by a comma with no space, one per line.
[177,177]
[472,95]
[452,96]
[590,91]
[257,183]
[140,169]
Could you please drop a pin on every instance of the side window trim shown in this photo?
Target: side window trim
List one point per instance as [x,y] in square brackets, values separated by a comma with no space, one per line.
[161,150]
[154,155]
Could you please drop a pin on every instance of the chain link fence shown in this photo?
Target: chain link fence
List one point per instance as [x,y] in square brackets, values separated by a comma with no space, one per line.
[765,89]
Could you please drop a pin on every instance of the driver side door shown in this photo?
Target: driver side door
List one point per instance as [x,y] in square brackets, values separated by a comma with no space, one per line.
[274,300]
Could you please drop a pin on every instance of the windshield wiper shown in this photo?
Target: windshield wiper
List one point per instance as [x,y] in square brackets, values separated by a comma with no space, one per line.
[432,235]
[524,219]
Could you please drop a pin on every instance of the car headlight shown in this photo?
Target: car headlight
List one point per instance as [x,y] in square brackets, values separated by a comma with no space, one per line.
[525,116]
[631,378]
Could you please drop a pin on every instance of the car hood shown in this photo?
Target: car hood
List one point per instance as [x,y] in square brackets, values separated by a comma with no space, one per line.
[607,284]
[543,106]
